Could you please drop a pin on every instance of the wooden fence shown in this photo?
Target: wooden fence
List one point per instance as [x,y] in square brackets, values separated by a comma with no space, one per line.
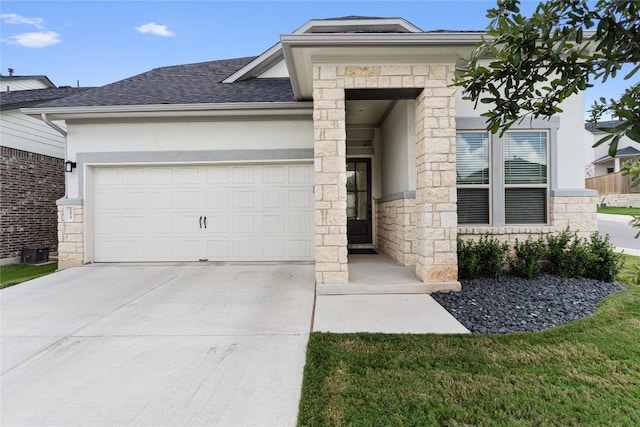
[612,183]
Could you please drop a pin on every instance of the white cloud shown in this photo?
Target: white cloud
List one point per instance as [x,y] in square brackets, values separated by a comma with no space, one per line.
[35,40]
[14,18]
[155,29]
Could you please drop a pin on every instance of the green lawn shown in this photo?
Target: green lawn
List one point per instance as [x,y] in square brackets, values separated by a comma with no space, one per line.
[17,273]
[619,211]
[584,373]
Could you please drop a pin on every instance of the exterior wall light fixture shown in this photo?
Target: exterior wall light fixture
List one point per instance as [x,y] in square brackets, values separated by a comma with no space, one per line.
[69,165]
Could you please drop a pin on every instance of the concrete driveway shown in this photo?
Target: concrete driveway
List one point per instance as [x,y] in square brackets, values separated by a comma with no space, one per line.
[156,346]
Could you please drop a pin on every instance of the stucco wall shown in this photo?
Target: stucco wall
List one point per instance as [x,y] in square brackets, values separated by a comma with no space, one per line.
[198,135]
[398,142]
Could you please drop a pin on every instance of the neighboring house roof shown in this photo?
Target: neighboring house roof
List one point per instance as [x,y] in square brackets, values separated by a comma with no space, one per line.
[198,83]
[27,98]
[606,124]
[44,79]
[623,152]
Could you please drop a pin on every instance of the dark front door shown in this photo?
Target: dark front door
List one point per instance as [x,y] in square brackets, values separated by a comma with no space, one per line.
[359,201]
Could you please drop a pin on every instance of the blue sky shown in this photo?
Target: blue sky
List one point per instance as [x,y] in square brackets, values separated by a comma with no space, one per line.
[99,42]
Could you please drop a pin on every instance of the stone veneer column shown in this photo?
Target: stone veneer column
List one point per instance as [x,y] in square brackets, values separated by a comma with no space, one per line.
[70,236]
[436,196]
[330,177]
[436,259]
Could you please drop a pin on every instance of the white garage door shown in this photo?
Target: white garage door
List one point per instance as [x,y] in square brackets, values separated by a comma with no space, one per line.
[215,213]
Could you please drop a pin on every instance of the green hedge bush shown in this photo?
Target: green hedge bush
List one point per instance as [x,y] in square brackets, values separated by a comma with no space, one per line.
[564,255]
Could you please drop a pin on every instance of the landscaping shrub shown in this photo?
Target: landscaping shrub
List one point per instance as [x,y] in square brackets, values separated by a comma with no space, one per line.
[605,262]
[467,259]
[555,253]
[526,260]
[592,258]
[484,258]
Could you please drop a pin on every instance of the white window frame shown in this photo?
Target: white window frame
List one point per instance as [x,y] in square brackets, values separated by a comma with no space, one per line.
[545,186]
[496,157]
[488,186]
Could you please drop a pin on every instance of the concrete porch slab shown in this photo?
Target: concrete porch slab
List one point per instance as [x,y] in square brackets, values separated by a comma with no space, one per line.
[381,274]
[390,314]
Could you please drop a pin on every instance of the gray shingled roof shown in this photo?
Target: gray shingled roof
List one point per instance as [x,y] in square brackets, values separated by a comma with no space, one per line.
[605,124]
[28,98]
[623,152]
[184,84]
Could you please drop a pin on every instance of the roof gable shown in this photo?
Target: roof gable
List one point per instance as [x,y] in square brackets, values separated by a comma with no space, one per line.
[345,25]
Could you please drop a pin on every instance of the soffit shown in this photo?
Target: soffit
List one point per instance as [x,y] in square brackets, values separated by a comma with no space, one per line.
[302,51]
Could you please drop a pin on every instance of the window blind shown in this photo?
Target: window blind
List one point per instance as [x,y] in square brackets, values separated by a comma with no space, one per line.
[525,205]
[473,206]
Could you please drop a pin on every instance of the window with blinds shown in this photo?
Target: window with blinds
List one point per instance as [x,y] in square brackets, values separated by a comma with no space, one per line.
[472,177]
[525,177]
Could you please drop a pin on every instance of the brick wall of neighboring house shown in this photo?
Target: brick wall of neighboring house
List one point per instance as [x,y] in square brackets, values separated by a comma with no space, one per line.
[30,184]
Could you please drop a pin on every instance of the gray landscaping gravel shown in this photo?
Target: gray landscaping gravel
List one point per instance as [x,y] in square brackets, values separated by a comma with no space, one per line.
[511,304]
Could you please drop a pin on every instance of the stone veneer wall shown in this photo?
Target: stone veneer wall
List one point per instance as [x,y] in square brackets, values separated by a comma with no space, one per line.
[396,229]
[621,200]
[31,183]
[436,217]
[70,235]
[397,223]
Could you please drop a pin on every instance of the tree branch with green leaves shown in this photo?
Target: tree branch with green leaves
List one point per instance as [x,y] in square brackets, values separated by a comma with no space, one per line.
[527,66]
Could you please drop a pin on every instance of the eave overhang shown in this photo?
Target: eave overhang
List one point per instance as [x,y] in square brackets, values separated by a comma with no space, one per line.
[302,51]
[247,109]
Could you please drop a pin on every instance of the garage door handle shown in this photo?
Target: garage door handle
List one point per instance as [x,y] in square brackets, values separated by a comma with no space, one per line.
[200,222]
[205,222]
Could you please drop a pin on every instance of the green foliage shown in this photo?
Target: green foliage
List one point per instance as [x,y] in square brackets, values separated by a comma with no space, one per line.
[484,258]
[605,263]
[630,272]
[526,260]
[17,273]
[557,246]
[568,255]
[565,255]
[537,62]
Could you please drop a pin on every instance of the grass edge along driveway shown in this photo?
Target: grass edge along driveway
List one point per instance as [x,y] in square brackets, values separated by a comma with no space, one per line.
[18,273]
[583,373]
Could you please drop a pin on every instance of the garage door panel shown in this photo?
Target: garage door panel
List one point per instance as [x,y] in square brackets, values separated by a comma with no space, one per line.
[159,225]
[273,224]
[133,177]
[132,200]
[300,175]
[161,176]
[133,225]
[243,224]
[273,249]
[274,199]
[254,213]
[242,175]
[243,199]
[218,199]
[218,224]
[299,224]
[160,200]
[300,249]
[244,249]
[300,199]
[218,250]
[273,175]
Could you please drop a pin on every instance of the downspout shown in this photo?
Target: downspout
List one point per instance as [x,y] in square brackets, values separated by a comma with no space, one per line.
[64,135]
